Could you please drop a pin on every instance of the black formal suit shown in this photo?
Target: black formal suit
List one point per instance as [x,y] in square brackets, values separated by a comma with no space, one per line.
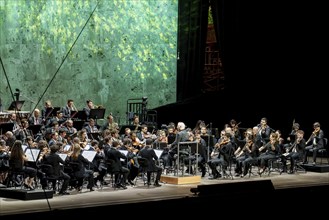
[56,162]
[35,121]
[149,154]
[80,171]
[120,173]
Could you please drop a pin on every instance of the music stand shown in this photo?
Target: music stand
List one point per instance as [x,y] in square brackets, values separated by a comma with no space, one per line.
[4,127]
[89,155]
[32,154]
[187,149]
[35,129]
[16,105]
[81,114]
[52,111]
[93,135]
[97,113]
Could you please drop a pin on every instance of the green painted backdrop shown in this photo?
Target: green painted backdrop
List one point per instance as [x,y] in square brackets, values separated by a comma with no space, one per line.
[108,51]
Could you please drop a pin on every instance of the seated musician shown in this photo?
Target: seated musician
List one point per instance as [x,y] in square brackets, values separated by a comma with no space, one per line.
[57,162]
[220,156]
[99,163]
[82,170]
[132,161]
[120,172]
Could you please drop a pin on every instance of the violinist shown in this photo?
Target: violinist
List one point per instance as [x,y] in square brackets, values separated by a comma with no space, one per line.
[220,156]
[132,162]
[294,152]
[136,142]
[235,129]
[270,151]
[242,153]
[315,142]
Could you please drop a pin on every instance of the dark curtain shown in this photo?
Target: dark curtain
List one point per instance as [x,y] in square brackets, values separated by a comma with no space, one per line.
[192,34]
[225,15]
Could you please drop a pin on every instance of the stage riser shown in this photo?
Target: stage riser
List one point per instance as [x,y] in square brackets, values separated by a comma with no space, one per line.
[316,168]
[180,180]
[24,194]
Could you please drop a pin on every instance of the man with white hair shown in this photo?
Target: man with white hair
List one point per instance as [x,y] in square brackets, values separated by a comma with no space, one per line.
[181,136]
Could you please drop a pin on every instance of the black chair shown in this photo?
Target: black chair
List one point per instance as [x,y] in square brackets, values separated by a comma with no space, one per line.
[323,152]
[143,166]
[15,177]
[109,164]
[53,181]
[76,181]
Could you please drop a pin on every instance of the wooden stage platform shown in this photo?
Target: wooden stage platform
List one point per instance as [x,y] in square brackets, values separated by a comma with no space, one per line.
[172,196]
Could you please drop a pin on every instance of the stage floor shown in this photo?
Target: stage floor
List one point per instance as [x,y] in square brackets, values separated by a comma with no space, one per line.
[108,196]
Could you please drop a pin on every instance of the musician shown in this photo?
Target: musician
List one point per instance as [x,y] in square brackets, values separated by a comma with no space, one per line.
[126,134]
[110,124]
[135,141]
[171,134]
[209,139]
[292,136]
[23,132]
[36,118]
[91,126]
[13,119]
[4,160]
[270,151]
[68,126]
[144,134]
[86,109]
[82,170]
[315,142]
[264,130]
[68,108]
[202,151]
[120,173]
[83,138]
[54,138]
[220,156]
[18,160]
[149,154]
[45,111]
[57,162]
[235,129]
[295,151]
[132,160]
[251,151]
[10,139]
[58,118]
[99,163]
[136,122]
[198,125]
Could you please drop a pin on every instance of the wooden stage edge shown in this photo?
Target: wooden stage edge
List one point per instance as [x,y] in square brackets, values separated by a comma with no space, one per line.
[179,180]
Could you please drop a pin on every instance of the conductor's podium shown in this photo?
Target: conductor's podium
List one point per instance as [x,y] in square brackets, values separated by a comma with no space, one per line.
[184,150]
[179,180]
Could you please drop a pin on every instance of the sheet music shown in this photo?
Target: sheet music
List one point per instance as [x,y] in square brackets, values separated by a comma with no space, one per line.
[89,155]
[67,147]
[63,156]
[158,152]
[87,147]
[32,154]
[24,147]
[124,152]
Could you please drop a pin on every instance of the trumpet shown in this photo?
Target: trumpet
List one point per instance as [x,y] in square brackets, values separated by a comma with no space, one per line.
[98,106]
